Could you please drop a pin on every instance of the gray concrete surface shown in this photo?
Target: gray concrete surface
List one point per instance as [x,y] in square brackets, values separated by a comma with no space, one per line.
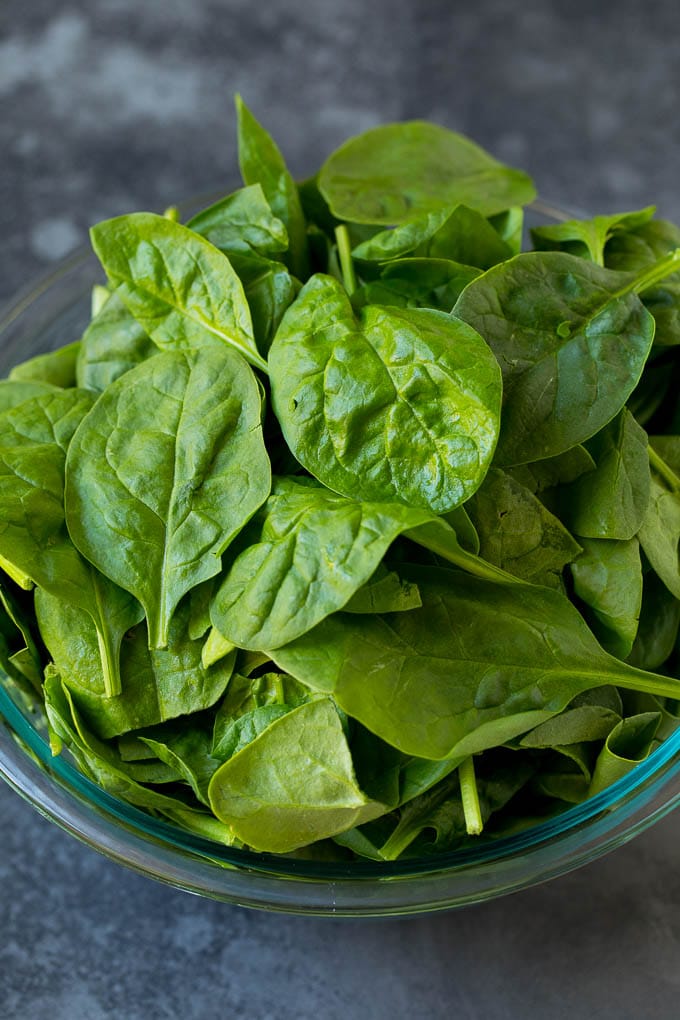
[110,105]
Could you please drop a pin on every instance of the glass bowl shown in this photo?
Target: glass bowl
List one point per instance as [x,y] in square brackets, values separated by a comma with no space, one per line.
[54,312]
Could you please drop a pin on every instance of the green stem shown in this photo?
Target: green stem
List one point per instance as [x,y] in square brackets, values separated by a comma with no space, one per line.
[349,277]
[649,683]
[474,822]
[109,660]
[657,272]
[662,469]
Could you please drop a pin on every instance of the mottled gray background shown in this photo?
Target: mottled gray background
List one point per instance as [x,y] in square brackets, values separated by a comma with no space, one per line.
[111,105]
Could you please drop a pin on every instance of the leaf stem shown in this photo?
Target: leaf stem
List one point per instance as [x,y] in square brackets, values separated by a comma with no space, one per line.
[659,271]
[470,797]
[662,469]
[349,277]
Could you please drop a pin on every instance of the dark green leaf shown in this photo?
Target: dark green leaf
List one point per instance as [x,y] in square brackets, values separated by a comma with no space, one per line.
[397,172]
[608,578]
[571,339]
[181,289]
[164,472]
[417,425]
[478,664]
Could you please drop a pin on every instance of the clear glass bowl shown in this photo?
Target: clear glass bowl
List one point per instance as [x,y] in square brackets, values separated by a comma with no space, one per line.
[53,313]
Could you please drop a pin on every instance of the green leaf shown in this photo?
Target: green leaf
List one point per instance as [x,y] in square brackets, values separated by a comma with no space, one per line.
[627,745]
[553,471]
[163,474]
[587,238]
[261,163]
[113,343]
[271,799]
[582,724]
[181,289]
[417,283]
[15,391]
[242,222]
[517,533]
[98,760]
[478,664]
[58,368]
[384,592]
[660,531]
[314,551]
[608,578]
[398,172]
[33,535]
[611,502]
[643,246]
[269,290]
[155,685]
[460,235]
[417,425]
[659,623]
[571,339]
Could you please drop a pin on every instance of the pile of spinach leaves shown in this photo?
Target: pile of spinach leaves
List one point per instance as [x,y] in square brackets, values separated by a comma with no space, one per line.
[348,527]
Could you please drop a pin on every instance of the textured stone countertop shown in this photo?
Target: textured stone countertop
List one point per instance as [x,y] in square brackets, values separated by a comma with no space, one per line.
[111,105]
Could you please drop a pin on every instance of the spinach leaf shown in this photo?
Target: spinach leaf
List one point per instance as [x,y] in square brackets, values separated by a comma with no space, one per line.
[15,391]
[57,368]
[642,246]
[397,172]
[19,654]
[608,579]
[611,502]
[571,339]
[261,163]
[270,290]
[242,222]
[34,542]
[98,760]
[271,799]
[113,343]
[417,283]
[314,551]
[660,531]
[517,533]
[417,425]
[659,623]
[627,745]
[460,235]
[186,749]
[554,471]
[587,238]
[155,685]
[384,592]
[164,472]
[478,664]
[181,289]
[581,724]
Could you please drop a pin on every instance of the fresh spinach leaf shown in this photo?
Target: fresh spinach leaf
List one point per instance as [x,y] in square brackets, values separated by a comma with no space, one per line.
[34,542]
[181,289]
[242,222]
[417,425]
[611,501]
[113,343]
[607,577]
[571,339]
[417,283]
[396,172]
[57,368]
[478,664]
[261,163]
[627,745]
[163,473]
[659,623]
[588,238]
[517,533]
[273,801]
[155,685]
